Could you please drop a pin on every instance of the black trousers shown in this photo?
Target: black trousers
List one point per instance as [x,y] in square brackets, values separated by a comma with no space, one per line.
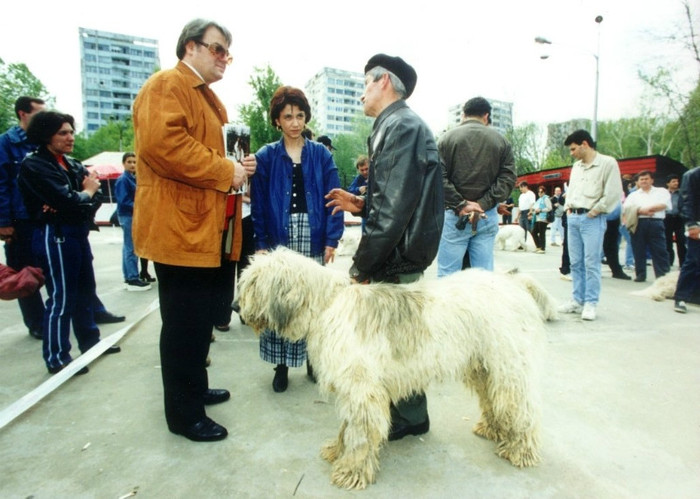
[565,261]
[674,226]
[650,235]
[611,246]
[539,234]
[187,297]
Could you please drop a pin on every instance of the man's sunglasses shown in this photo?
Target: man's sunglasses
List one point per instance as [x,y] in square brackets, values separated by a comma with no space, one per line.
[217,50]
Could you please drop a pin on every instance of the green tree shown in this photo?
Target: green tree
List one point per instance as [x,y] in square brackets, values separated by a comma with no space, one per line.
[17,80]
[689,122]
[349,146]
[264,82]
[555,158]
[117,135]
[681,106]
[528,149]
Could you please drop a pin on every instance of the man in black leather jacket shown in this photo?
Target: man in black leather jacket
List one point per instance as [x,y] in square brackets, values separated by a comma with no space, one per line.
[404,205]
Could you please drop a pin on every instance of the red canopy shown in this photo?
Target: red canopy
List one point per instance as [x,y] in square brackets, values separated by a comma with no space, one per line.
[106,172]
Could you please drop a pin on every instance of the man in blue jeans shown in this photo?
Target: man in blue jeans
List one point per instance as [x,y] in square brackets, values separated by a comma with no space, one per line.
[125,192]
[594,190]
[478,173]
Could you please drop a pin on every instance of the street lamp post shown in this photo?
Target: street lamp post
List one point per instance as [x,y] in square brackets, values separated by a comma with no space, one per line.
[596,55]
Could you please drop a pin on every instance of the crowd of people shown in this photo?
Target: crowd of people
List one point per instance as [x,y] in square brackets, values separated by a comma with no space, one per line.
[419,200]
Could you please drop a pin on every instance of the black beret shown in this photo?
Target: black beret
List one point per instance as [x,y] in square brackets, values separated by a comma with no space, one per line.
[398,66]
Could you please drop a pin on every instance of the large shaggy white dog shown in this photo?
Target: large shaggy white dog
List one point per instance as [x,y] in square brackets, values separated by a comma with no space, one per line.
[480,327]
[511,238]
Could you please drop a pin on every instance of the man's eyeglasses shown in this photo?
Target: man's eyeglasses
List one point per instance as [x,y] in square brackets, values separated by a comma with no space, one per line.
[217,50]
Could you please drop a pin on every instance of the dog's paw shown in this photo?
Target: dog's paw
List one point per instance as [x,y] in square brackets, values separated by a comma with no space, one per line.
[350,479]
[483,429]
[330,450]
[519,454]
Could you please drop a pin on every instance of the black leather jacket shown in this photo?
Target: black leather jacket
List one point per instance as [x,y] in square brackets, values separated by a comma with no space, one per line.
[42,181]
[690,197]
[404,206]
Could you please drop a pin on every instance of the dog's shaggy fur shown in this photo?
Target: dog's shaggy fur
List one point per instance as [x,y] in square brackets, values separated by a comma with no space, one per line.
[480,327]
[511,238]
[662,288]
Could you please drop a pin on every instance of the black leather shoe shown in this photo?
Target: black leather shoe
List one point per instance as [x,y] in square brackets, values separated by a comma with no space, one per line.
[622,276]
[640,279]
[280,381]
[399,431]
[108,318]
[36,333]
[216,396]
[223,328]
[58,369]
[112,349]
[204,430]
[146,277]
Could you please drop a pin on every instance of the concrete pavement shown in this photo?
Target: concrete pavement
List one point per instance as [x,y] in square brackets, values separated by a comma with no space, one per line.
[620,412]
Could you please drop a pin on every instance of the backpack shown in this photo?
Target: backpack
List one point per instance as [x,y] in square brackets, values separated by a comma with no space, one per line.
[550,213]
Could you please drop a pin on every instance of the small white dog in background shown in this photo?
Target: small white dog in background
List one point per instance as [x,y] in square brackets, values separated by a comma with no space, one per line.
[662,288]
[511,238]
[458,327]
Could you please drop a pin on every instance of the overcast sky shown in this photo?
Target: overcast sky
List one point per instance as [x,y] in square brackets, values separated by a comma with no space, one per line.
[459,50]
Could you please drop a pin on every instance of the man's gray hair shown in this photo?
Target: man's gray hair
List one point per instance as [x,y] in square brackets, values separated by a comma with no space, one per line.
[194,31]
[378,71]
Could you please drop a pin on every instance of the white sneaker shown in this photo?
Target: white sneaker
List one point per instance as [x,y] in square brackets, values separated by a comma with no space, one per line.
[588,313]
[680,307]
[571,307]
[565,277]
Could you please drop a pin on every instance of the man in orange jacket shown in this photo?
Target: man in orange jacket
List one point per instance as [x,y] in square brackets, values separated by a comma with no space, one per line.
[180,215]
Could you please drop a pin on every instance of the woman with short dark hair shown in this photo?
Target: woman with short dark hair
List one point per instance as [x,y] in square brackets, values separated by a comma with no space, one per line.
[289,209]
[60,196]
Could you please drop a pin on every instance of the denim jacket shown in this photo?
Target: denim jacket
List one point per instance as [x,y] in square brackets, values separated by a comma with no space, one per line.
[271,191]
[13,149]
[125,192]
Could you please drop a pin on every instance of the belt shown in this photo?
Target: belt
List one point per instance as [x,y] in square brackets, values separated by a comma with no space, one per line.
[579,211]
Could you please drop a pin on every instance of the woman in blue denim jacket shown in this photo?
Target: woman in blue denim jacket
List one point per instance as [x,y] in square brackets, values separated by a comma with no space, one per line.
[288,208]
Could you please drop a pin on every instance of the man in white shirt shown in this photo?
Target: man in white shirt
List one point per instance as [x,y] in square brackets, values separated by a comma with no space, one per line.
[651,204]
[594,190]
[525,202]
